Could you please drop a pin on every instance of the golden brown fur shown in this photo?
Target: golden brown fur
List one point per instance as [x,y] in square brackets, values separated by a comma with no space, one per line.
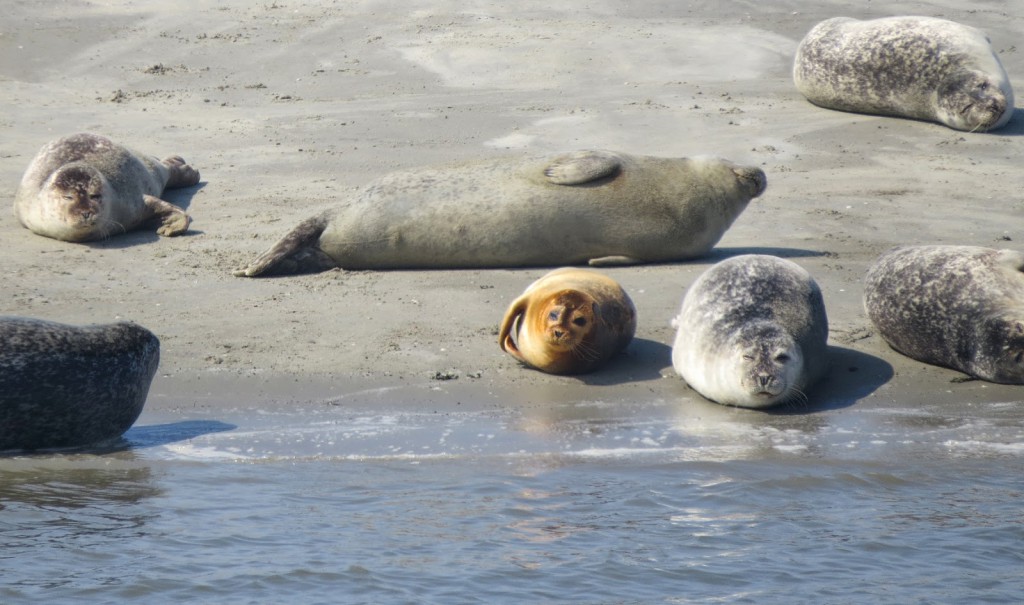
[570,321]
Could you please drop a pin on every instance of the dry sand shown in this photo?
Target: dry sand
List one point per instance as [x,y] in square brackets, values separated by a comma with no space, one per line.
[286,107]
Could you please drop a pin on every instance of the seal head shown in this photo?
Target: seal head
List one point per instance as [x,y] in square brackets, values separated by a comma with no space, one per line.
[76,192]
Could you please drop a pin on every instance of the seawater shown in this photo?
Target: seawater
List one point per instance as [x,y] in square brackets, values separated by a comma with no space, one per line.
[577,502]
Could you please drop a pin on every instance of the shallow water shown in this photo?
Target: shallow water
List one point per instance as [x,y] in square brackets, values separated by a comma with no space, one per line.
[379,499]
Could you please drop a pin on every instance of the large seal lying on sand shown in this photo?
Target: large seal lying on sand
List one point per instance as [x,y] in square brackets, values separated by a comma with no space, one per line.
[913,67]
[66,386]
[752,332]
[590,206]
[85,187]
[961,307]
[569,321]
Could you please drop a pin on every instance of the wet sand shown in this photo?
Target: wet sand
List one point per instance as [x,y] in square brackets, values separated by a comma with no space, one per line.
[287,108]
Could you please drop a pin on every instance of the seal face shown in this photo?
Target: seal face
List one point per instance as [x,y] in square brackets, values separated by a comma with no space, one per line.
[961,307]
[570,321]
[914,67]
[596,207]
[751,332]
[85,187]
[65,386]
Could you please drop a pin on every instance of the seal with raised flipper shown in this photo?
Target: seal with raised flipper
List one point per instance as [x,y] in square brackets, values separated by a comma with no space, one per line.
[596,207]
[570,321]
[914,67]
[66,386]
[961,307]
[85,187]
[752,332]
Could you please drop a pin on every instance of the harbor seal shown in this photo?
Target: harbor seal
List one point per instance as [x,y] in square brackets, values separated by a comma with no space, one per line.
[596,207]
[64,386]
[85,187]
[570,321]
[913,67]
[961,307]
[751,332]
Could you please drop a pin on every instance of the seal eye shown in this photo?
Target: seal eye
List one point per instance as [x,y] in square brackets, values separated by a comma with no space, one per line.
[95,197]
[553,316]
[580,321]
[782,358]
[748,357]
[1019,356]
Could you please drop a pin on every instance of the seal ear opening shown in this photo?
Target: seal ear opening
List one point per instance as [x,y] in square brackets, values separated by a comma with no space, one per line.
[510,321]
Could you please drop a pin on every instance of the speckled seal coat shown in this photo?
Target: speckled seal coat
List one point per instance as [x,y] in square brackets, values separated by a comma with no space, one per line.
[752,332]
[85,187]
[64,386]
[590,206]
[914,67]
[960,307]
[570,321]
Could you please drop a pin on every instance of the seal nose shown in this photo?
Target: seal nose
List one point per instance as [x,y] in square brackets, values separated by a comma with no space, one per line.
[764,380]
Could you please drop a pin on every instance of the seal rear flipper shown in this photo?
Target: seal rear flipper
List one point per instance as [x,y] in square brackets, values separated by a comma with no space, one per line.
[296,252]
[582,167]
[510,323]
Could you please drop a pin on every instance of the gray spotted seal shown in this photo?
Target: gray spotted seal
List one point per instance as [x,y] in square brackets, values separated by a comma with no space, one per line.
[751,332]
[590,206]
[914,67]
[85,187]
[570,321]
[64,386]
[960,307]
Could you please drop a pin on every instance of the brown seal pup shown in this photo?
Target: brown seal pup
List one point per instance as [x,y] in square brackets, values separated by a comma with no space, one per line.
[570,321]
[961,307]
[752,332]
[913,67]
[85,187]
[599,207]
[64,386]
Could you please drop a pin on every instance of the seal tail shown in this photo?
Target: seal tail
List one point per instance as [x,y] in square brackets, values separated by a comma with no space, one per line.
[296,252]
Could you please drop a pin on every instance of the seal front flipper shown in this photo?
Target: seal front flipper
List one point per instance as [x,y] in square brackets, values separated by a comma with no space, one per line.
[582,167]
[614,261]
[297,252]
[173,220]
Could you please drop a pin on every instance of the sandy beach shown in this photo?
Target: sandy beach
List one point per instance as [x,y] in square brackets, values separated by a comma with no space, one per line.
[286,108]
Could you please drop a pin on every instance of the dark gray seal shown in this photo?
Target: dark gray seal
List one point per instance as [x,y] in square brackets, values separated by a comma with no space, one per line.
[913,67]
[64,386]
[596,207]
[961,307]
[85,187]
[752,332]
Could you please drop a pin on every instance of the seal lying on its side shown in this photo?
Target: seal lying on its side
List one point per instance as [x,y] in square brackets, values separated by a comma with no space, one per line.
[913,67]
[570,321]
[590,206]
[752,332]
[960,307]
[85,187]
[65,386]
